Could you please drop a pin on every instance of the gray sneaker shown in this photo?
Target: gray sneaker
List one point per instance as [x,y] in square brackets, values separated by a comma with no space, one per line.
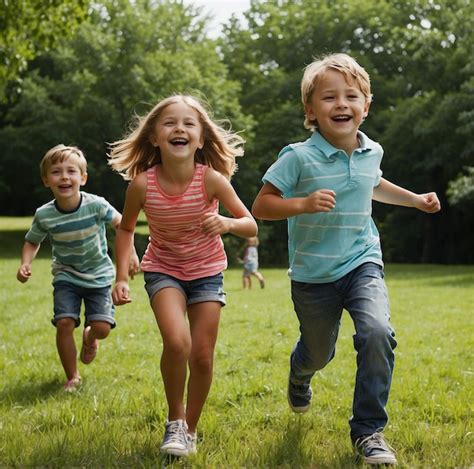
[374,449]
[175,441]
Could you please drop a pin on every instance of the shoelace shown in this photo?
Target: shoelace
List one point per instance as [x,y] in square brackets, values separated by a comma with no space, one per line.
[173,431]
[374,441]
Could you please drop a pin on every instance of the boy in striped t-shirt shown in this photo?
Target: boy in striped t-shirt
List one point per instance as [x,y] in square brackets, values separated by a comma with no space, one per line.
[75,223]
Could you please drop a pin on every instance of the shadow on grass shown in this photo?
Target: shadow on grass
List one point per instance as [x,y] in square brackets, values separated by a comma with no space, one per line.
[28,392]
[292,450]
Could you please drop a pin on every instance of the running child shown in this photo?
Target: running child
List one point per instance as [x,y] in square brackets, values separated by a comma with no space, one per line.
[180,162]
[250,262]
[75,224]
[325,186]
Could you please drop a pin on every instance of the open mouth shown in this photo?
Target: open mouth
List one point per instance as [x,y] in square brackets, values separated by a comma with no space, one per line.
[179,142]
[342,118]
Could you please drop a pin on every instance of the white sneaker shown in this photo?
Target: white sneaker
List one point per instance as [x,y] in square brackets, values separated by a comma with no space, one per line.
[175,441]
[192,443]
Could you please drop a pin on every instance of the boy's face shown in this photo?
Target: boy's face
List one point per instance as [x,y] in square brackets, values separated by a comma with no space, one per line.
[65,179]
[339,107]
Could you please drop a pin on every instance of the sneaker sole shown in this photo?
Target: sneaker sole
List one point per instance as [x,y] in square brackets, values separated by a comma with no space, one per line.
[174,451]
[380,460]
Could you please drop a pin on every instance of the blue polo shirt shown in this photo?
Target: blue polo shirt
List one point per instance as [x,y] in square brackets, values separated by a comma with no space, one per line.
[325,246]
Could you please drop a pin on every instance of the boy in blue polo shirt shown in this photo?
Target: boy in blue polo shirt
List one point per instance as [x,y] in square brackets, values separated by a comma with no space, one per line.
[75,223]
[325,187]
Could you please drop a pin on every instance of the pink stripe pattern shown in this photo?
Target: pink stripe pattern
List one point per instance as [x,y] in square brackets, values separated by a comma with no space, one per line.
[177,246]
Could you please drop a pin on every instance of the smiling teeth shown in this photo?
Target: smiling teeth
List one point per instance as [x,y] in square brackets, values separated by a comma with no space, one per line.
[179,140]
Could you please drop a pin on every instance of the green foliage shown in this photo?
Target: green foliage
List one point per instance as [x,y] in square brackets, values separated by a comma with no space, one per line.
[119,63]
[29,28]
[461,190]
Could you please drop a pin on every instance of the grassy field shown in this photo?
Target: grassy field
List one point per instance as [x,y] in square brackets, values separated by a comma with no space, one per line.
[117,417]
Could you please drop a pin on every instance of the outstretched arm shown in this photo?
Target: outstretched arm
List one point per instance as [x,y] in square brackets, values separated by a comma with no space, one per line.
[390,193]
[269,204]
[28,254]
[242,224]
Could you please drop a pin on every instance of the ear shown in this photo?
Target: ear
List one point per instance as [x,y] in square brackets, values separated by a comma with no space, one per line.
[366,109]
[201,142]
[309,111]
[153,140]
[84,179]
[45,181]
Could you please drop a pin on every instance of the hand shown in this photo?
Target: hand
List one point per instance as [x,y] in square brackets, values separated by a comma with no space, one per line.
[24,273]
[323,200]
[214,224]
[120,293]
[428,203]
[134,266]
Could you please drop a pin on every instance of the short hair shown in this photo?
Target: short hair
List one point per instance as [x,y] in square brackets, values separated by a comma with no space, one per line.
[342,63]
[58,154]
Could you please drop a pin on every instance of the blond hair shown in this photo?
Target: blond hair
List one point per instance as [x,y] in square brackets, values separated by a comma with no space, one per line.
[134,153]
[58,154]
[343,63]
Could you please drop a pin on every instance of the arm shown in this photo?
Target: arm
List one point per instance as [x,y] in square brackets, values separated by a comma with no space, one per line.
[124,239]
[28,254]
[390,193]
[134,263]
[242,224]
[270,205]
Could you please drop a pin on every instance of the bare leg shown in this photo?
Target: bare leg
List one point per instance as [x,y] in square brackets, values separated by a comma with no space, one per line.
[169,306]
[99,330]
[204,322]
[67,347]
[260,278]
[247,281]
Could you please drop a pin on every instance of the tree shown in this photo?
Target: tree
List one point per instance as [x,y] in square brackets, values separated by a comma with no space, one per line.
[31,27]
[127,56]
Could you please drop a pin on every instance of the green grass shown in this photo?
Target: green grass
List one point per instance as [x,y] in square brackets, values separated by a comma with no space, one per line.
[117,417]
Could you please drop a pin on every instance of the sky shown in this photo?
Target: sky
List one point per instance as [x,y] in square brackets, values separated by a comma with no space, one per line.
[220,11]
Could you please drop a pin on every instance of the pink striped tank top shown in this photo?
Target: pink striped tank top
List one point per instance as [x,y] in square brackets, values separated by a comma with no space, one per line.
[177,246]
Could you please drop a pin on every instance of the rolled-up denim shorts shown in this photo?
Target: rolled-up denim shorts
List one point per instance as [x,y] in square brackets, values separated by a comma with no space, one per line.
[195,291]
[98,303]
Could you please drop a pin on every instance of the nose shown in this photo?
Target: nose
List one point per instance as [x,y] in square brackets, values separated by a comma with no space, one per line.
[341,102]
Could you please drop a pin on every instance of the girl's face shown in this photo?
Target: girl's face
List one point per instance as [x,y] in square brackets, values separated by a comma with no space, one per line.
[65,179]
[178,131]
[339,107]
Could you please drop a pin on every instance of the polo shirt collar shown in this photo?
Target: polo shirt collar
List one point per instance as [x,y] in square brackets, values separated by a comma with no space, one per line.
[319,141]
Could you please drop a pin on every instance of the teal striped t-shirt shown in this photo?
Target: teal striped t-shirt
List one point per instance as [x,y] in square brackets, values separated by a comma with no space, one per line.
[78,240]
[325,246]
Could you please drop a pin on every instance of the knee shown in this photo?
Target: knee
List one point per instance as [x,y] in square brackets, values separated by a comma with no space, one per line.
[201,363]
[101,329]
[178,347]
[65,326]
[378,337]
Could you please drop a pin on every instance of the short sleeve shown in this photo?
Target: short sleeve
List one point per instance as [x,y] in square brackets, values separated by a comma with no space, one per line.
[106,211]
[284,174]
[378,177]
[36,233]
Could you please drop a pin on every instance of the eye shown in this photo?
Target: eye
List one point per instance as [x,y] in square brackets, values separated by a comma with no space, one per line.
[328,98]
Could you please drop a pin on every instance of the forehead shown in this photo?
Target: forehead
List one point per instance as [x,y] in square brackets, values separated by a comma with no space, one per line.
[72,160]
[332,78]
[180,109]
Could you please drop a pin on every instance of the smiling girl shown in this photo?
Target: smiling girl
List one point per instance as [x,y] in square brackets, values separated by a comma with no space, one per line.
[180,163]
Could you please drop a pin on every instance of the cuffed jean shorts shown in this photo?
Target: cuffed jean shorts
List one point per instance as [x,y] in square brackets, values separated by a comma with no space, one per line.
[195,291]
[98,303]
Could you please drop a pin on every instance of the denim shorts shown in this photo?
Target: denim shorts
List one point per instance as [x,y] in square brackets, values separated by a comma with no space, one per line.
[195,291]
[250,268]
[97,303]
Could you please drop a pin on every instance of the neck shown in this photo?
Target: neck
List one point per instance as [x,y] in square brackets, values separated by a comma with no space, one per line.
[69,204]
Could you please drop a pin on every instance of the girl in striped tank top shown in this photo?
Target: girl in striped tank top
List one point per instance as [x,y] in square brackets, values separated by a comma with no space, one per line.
[180,162]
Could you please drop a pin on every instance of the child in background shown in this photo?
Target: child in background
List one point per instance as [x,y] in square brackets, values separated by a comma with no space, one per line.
[75,225]
[250,261]
[325,186]
[180,163]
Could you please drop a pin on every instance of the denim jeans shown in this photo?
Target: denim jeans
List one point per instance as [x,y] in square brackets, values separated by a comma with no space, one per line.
[363,294]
